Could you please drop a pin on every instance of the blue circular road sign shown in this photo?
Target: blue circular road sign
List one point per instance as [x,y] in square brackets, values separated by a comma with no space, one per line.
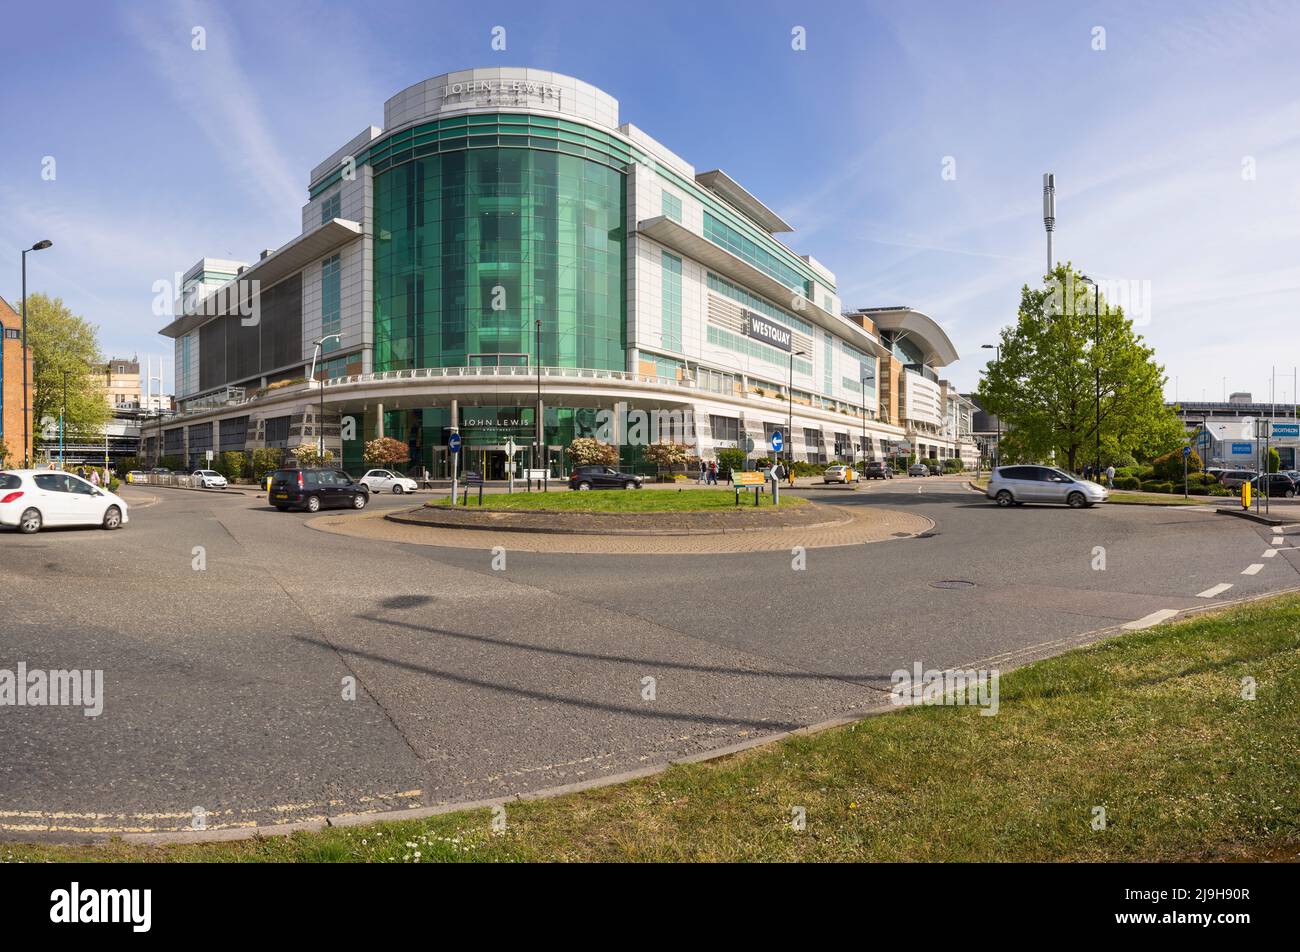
[777,441]
[453,442]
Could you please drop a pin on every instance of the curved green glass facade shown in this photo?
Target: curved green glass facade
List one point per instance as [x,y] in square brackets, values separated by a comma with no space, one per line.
[473,246]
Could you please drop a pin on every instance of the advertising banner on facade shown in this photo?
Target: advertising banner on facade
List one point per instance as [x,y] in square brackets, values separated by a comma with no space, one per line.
[768,331]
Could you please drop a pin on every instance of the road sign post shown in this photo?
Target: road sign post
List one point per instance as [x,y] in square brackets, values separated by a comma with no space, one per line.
[453,444]
[1187,451]
[746,479]
[511,449]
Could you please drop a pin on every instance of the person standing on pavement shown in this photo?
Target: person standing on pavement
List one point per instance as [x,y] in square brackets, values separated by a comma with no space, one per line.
[712,479]
[1110,475]
[704,473]
[94,477]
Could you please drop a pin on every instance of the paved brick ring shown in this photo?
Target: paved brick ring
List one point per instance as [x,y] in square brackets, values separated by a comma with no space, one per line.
[868,524]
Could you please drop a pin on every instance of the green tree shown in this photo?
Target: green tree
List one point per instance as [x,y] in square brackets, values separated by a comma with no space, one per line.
[4,453]
[1042,385]
[65,346]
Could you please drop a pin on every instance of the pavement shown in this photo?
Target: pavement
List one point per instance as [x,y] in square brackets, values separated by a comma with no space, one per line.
[260,671]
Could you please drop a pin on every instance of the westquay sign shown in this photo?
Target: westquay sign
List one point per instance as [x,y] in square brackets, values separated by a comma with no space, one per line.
[768,331]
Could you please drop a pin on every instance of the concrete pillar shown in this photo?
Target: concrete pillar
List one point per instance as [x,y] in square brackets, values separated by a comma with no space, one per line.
[379,419]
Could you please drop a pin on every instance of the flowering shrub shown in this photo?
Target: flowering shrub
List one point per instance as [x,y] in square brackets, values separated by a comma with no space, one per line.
[385,451]
[585,451]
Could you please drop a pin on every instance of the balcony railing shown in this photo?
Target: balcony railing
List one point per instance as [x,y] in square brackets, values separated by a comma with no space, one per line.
[547,373]
[225,401]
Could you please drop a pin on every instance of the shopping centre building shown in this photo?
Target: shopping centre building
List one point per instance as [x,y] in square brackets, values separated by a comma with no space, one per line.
[505,245]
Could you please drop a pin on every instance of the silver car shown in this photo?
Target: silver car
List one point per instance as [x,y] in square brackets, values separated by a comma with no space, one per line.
[1017,485]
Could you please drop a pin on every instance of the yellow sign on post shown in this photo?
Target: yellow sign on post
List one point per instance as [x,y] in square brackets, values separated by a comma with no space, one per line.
[1245,495]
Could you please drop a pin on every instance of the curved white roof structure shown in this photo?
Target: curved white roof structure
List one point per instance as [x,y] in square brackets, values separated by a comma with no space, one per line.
[921,329]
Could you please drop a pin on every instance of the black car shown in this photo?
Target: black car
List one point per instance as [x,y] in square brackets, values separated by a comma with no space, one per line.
[316,489]
[602,477]
[875,469]
[1275,484]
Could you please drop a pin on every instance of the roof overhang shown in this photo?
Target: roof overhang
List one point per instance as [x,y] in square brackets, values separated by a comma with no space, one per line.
[274,268]
[920,328]
[736,195]
[673,235]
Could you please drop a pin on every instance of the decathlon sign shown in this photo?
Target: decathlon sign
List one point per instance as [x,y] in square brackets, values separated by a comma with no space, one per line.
[768,331]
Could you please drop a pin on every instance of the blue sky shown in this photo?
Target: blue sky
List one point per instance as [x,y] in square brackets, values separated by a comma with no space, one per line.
[164,154]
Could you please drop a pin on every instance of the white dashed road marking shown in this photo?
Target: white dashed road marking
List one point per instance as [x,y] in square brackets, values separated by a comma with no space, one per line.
[1252,569]
[1155,618]
[1277,540]
[1216,590]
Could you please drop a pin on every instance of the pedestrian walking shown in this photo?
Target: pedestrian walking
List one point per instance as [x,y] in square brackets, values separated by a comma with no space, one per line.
[713,473]
[1110,475]
[94,477]
[703,474]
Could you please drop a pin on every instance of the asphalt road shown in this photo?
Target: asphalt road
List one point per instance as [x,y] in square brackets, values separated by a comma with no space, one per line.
[225,683]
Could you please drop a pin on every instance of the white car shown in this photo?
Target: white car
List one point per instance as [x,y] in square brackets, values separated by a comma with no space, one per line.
[209,479]
[31,499]
[840,474]
[378,480]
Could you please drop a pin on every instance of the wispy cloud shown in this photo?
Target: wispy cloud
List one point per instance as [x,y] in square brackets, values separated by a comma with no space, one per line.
[219,97]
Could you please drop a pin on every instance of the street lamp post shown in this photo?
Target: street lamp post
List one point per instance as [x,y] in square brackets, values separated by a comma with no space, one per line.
[997,447]
[320,417]
[1096,364]
[63,420]
[539,458]
[789,420]
[27,429]
[863,444]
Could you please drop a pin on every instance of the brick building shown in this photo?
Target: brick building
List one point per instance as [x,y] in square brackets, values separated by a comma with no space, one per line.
[11,384]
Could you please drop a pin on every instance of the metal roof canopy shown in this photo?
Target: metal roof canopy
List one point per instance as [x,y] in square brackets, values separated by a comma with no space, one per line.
[668,232]
[736,195]
[274,268]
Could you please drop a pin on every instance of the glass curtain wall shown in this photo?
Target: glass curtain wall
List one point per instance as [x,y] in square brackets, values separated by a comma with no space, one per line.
[473,247]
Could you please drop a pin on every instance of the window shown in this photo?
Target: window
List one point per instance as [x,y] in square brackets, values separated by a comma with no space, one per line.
[672,302]
[52,482]
[725,429]
[671,206]
[330,295]
[330,208]
[723,235]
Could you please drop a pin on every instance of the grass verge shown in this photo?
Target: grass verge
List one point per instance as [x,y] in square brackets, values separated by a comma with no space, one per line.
[1152,726]
[618,500]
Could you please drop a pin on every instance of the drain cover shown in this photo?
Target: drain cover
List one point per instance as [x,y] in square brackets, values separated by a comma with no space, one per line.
[952,583]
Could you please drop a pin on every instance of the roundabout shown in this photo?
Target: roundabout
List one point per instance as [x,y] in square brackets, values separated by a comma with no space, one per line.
[662,533]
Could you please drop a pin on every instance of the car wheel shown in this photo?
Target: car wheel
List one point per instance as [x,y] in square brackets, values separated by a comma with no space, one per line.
[584,486]
[398,489]
[359,501]
[1290,493]
[30,521]
[1076,500]
[1005,498]
[629,485]
[113,518]
[313,504]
